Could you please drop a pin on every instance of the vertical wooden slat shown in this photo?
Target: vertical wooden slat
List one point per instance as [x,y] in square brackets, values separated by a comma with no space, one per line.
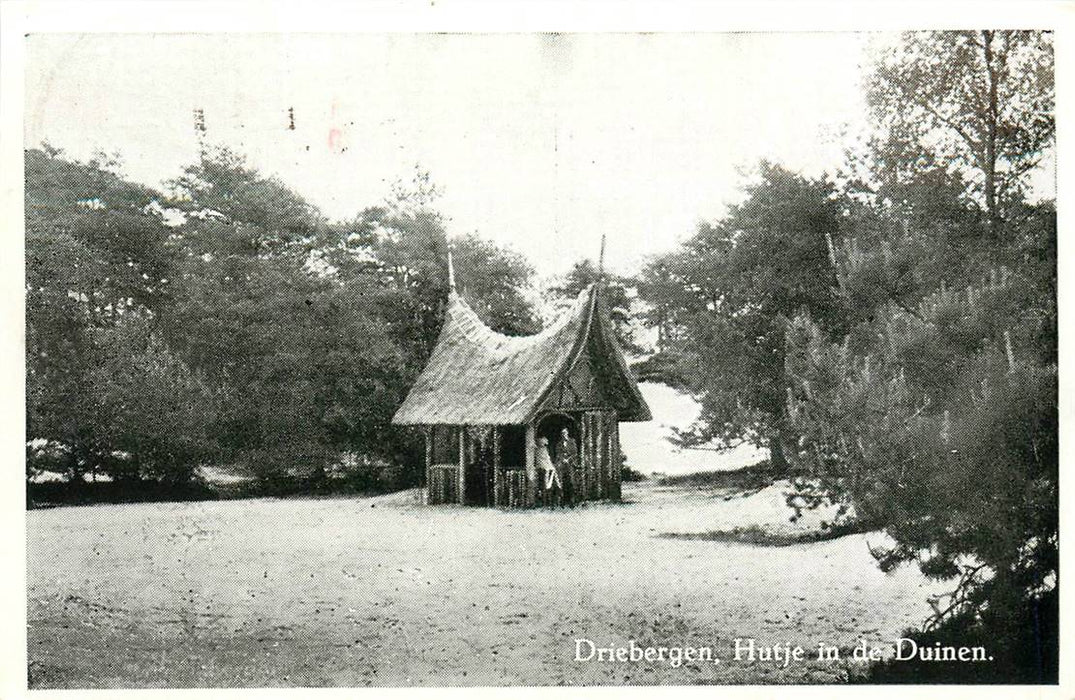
[595,436]
[584,457]
[602,456]
[496,466]
[602,471]
[591,448]
[587,453]
[531,467]
[587,456]
[579,494]
[595,465]
[617,467]
[602,452]
[613,455]
[610,460]
[429,461]
[462,487]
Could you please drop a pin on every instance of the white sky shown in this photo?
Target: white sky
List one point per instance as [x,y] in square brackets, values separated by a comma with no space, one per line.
[540,142]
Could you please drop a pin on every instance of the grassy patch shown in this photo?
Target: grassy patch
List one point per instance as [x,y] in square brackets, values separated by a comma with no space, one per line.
[756,535]
[754,477]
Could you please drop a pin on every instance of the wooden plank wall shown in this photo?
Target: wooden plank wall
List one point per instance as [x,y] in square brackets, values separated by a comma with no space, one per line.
[531,466]
[598,478]
[429,461]
[443,484]
[615,481]
[496,466]
[599,453]
[461,479]
[515,491]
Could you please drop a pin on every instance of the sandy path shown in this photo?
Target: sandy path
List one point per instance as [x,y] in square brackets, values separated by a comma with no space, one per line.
[649,447]
[381,591]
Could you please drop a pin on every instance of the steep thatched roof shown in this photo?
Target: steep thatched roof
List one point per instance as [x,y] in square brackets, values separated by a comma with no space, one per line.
[477,376]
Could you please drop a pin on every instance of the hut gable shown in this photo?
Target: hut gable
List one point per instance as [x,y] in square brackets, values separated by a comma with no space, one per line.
[578,388]
[476,376]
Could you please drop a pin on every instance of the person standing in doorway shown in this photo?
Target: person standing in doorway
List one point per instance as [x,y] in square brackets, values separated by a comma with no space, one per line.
[554,485]
[567,462]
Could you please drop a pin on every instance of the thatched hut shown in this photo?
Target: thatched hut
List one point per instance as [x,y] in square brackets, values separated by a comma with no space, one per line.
[485,400]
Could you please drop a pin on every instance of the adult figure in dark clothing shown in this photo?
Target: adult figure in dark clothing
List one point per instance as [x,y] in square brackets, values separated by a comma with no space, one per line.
[567,460]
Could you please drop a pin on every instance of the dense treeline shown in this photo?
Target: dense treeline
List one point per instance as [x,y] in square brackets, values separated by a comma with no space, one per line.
[890,334]
[229,323]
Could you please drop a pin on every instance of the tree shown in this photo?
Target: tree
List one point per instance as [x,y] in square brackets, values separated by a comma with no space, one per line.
[982,100]
[252,331]
[111,220]
[157,415]
[403,246]
[240,210]
[95,257]
[584,273]
[310,368]
[318,328]
[737,284]
[666,299]
[933,413]
[941,428]
[493,280]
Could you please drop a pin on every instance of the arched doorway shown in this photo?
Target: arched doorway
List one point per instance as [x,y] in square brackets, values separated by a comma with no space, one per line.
[552,425]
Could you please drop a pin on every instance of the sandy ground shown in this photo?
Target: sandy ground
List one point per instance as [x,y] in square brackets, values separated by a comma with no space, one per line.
[383,591]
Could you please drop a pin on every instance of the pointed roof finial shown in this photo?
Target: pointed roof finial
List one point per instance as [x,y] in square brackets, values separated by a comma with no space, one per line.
[601,259]
[451,271]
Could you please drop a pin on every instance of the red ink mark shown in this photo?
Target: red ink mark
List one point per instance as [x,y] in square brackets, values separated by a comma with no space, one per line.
[334,136]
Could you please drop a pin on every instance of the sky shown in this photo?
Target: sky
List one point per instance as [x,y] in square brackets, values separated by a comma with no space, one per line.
[540,142]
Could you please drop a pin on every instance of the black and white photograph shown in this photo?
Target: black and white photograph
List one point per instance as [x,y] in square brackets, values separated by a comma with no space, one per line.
[442,357]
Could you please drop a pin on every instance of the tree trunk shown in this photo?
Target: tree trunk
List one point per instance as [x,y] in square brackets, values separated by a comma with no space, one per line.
[76,470]
[991,119]
[777,460]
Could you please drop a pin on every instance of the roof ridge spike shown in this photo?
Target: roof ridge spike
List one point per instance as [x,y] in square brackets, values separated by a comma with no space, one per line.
[601,259]
[451,271]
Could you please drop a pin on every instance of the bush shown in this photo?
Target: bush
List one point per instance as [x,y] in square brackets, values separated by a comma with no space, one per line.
[392,478]
[1023,644]
[72,493]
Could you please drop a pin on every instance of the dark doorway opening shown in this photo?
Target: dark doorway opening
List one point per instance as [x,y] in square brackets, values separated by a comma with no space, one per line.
[513,446]
[479,467]
[551,426]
